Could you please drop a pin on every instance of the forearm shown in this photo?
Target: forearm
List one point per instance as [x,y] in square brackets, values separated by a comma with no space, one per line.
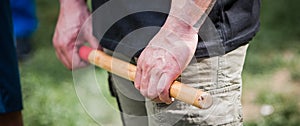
[72,14]
[188,15]
[73,5]
[70,2]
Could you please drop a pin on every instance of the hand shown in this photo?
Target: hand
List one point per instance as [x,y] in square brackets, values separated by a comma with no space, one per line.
[71,18]
[164,59]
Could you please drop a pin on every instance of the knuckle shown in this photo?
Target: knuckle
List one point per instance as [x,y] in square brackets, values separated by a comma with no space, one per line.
[166,91]
[58,44]
[163,92]
[144,93]
[136,85]
[160,90]
[152,94]
[68,66]
[146,65]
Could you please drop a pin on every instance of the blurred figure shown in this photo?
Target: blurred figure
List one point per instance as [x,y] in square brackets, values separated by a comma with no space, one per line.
[10,89]
[24,23]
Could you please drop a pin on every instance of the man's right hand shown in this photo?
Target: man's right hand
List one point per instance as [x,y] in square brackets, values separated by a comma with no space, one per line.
[73,14]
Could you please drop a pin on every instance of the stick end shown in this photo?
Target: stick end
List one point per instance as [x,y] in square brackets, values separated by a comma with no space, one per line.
[84,52]
[205,100]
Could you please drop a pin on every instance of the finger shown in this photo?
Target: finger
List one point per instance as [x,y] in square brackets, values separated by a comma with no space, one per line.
[144,83]
[165,97]
[145,78]
[93,41]
[68,57]
[161,83]
[137,80]
[152,92]
[157,100]
[163,88]
[77,62]
[63,59]
[139,84]
[72,56]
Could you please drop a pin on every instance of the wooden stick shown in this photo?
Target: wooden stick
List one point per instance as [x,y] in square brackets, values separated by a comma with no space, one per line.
[126,70]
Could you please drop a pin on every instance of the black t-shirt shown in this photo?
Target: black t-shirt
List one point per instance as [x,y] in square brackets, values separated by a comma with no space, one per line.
[235,23]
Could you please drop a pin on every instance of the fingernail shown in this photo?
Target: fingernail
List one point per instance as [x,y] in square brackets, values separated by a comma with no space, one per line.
[170,102]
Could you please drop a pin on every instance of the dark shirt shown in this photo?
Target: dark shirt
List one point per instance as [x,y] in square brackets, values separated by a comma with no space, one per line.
[235,23]
[10,91]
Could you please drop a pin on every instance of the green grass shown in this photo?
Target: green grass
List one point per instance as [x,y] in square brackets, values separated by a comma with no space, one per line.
[273,50]
[50,98]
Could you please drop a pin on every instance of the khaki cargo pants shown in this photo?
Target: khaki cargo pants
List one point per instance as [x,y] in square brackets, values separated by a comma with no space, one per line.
[220,76]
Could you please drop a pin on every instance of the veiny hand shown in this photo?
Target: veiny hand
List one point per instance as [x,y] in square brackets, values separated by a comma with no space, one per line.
[71,18]
[164,59]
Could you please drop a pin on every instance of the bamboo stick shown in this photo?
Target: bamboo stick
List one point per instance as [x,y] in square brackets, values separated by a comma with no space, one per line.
[126,70]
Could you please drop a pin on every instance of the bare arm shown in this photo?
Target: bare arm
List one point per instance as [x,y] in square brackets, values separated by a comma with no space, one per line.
[170,51]
[72,15]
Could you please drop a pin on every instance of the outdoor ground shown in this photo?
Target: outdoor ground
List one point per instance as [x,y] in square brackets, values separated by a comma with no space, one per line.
[271,75]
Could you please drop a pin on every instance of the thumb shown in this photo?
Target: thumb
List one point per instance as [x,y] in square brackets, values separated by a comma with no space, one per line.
[93,41]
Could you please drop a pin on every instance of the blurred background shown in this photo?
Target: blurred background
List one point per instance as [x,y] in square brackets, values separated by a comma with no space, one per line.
[271,88]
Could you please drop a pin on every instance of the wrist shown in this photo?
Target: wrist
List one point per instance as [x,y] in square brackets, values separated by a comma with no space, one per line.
[73,5]
[192,12]
[179,26]
[70,2]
